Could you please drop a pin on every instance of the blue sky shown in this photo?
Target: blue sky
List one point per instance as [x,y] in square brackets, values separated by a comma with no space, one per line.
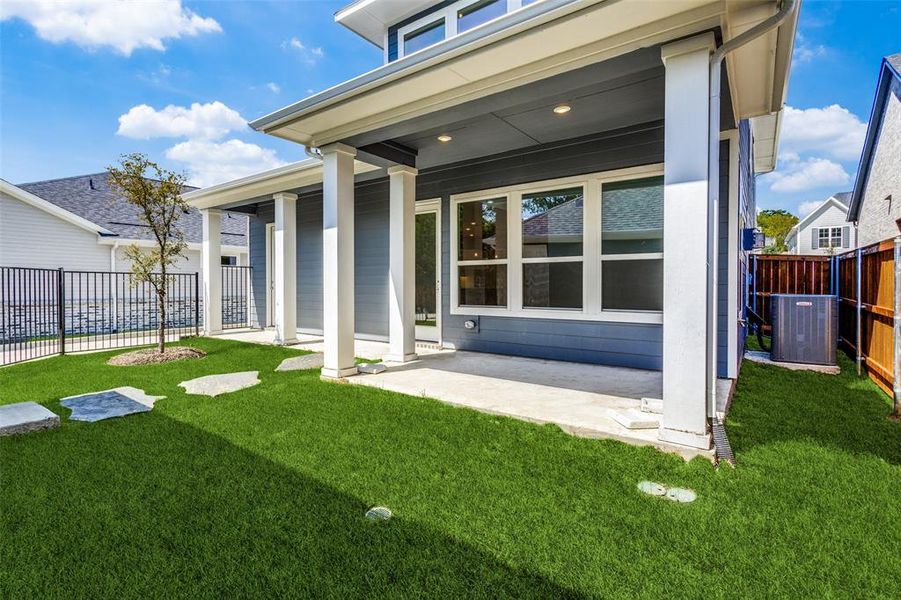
[74,96]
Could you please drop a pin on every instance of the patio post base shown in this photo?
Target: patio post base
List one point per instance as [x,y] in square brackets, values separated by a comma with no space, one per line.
[400,358]
[338,373]
[685,438]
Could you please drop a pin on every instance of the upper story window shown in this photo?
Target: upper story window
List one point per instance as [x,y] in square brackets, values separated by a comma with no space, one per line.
[447,22]
[483,11]
[425,36]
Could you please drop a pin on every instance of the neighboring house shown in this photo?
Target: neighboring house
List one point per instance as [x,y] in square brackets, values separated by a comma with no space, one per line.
[825,230]
[79,223]
[565,149]
[876,199]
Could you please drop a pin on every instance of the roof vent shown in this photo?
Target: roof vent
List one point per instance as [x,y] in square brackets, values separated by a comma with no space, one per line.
[91,183]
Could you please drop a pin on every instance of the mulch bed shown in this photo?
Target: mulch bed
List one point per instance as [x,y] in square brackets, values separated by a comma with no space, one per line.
[152,356]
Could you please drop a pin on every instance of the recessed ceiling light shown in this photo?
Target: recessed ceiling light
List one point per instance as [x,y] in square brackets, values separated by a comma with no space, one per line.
[444,138]
[562,109]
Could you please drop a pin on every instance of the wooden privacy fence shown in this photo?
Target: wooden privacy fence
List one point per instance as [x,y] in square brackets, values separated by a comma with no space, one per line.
[869,301]
[787,274]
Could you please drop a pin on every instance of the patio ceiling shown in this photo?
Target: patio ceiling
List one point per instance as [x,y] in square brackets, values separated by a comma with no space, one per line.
[627,90]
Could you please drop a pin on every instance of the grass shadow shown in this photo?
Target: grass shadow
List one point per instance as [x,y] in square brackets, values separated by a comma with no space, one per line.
[147,506]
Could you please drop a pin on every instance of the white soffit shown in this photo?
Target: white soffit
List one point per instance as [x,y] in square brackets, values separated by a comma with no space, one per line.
[765,134]
[370,18]
[281,179]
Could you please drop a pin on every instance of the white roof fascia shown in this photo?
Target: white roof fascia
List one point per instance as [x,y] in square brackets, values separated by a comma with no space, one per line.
[61,213]
[525,46]
[280,179]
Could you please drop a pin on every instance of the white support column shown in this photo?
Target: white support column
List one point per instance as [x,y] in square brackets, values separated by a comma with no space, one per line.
[338,260]
[211,261]
[401,265]
[285,253]
[685,242]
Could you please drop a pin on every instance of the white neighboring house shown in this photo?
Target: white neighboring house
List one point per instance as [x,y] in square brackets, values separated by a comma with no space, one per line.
[825,230]
[79,223]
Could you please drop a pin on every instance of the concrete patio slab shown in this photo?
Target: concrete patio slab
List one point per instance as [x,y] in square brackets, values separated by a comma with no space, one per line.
[764,359]
[577,397]
[301,363]
[25,417]
[224,383]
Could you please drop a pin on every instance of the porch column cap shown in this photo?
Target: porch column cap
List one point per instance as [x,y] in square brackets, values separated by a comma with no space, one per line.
[211,211]
[338,147]
[692,44]
[403,169]
[284,196]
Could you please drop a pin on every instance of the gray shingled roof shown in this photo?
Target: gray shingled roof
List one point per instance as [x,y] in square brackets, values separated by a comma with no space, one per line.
[90,197]
[895,61]
[843,197]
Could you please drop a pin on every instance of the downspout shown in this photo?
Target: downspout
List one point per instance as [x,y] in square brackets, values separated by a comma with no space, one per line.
[312,152]
[716,60]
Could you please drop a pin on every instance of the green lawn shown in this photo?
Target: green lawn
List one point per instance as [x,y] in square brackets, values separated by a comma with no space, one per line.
[262,493]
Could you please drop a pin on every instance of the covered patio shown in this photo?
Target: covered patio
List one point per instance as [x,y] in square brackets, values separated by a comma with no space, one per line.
[581,399]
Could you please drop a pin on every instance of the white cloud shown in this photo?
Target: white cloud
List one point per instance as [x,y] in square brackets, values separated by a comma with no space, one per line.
[805,52]
[273,87]
[805,208]
[808,174]
[201,121]
[123,26]
[211,162]
[308,55]
[833,131]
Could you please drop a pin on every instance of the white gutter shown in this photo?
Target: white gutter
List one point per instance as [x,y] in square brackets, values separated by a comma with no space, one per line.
[713,181]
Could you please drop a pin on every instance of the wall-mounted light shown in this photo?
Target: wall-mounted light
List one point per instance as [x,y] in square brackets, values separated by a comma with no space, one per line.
[444,138]
[562,109]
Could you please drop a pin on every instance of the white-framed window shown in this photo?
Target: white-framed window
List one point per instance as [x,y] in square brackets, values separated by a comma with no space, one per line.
[587,247]
[829,237]
[449,21]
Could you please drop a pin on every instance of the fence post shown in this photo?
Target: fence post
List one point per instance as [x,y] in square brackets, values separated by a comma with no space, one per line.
[857,343]
[896,333]
[196,305]
[61,308]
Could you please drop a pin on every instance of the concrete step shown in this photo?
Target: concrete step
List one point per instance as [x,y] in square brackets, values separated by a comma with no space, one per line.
[632,418]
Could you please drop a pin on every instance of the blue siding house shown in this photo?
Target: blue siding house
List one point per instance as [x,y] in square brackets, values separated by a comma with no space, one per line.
[584,167]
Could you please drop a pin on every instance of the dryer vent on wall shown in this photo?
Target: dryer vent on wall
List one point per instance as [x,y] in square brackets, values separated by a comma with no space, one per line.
[805,328]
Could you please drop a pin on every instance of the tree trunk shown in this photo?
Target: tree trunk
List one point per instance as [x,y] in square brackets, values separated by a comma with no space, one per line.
[161,302]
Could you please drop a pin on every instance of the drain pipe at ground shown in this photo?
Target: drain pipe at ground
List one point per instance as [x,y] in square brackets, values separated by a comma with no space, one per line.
[716,60]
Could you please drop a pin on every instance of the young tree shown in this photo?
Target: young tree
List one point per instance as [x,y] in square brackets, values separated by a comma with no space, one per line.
[156,193]
[776,224]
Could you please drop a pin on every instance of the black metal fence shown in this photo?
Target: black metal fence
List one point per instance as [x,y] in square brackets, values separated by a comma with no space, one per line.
[235,297]
[53,311]
[47,311]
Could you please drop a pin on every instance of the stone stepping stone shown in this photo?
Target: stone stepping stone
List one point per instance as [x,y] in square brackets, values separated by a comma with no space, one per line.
[378,513]
[214,385]
[301,363]
[25,417]
[372,368]
[107,404]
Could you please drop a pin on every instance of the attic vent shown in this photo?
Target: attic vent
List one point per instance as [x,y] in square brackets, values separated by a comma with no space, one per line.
[91,183]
